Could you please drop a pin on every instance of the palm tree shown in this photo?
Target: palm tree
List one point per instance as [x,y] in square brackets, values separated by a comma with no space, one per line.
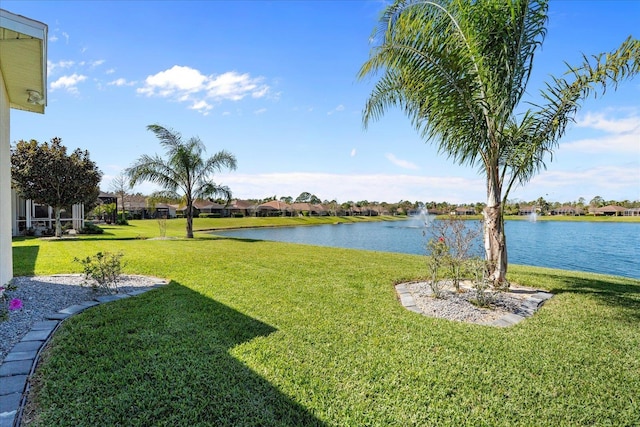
[459,68]
[184,171]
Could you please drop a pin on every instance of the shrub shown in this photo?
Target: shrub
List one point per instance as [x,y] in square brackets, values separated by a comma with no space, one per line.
[102,271]
[481,283]
[13,304]
[439,255]
[238,215]
[209,215]
[462,240]
[122,219]
[91,228]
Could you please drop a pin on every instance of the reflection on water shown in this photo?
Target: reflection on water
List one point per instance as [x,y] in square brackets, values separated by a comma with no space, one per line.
[609,248]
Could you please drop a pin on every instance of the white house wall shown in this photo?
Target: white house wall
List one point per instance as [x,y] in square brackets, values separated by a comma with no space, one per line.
[6,257]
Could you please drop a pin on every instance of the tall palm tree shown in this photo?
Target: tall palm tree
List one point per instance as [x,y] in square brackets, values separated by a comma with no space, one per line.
[185,173]
[459,68]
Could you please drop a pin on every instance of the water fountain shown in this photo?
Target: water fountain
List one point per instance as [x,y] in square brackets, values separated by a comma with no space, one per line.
[422,219]
[533,216]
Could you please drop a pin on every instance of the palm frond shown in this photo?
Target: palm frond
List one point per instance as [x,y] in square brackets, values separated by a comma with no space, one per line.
[563,96]
[153,169]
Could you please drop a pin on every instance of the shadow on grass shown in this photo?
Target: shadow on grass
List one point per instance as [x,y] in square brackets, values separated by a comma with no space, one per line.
[169,363]
[625,296]
[24,260]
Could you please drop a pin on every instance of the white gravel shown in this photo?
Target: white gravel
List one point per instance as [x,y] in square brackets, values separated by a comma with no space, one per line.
[44,295]
[457,306]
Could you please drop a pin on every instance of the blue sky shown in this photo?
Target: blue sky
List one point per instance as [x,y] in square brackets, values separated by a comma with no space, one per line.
[275,84]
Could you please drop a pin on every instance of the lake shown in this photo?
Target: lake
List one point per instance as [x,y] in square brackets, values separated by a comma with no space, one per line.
[608,248]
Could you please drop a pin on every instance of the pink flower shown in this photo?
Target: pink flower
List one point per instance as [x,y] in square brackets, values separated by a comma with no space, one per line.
[15,304]
[441,239]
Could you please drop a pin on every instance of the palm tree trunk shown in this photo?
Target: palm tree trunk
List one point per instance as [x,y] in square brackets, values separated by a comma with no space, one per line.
[189,221]
[495,244]
[58,225]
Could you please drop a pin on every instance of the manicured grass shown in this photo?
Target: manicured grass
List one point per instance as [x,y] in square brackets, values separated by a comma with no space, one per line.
[266,333]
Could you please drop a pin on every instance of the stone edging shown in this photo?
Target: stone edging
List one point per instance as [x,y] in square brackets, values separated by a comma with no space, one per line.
[528,307]
[21,361]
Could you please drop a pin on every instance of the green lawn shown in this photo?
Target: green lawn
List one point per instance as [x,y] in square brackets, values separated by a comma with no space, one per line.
[262,333]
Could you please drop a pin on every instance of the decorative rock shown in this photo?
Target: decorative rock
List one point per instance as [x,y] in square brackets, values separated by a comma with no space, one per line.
[453,307]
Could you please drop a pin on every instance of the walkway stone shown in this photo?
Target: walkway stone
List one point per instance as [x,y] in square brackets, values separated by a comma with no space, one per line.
[22,360]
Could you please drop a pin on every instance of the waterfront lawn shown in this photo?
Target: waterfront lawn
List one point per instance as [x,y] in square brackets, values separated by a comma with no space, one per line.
[266,333]
[175,228]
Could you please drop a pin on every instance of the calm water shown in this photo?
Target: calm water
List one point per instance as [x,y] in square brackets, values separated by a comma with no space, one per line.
[609,248]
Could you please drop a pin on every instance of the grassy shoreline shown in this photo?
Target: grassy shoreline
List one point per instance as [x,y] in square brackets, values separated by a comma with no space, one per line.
[269,333]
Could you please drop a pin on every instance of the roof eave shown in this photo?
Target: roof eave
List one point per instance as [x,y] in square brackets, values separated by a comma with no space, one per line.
[15,59]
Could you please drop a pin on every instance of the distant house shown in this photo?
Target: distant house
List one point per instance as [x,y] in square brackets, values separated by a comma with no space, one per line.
[308,209]
[241,208]
[274,208]
[528,210]
[464,210]
[28,217]
[107,199]
[610,210]
[204,207]
[631,212]
[380,210]
[165,210]
[567,211]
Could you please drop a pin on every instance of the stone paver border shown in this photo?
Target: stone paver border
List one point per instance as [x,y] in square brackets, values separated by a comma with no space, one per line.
[22,360]
[528,307]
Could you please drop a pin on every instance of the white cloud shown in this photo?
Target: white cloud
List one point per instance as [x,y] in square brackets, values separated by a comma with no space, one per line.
[97,63]
[336,110]
[405,164]
[69,83]
[52,66]
[233,86]
[121,82]
[53,38]
[66,36]
[611,125]
[621,134]
[260,111]
[186,84]
[202,107]
[353,152]
[610,182]
[174,80]
[622,143]
[110,71]
[342,187]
